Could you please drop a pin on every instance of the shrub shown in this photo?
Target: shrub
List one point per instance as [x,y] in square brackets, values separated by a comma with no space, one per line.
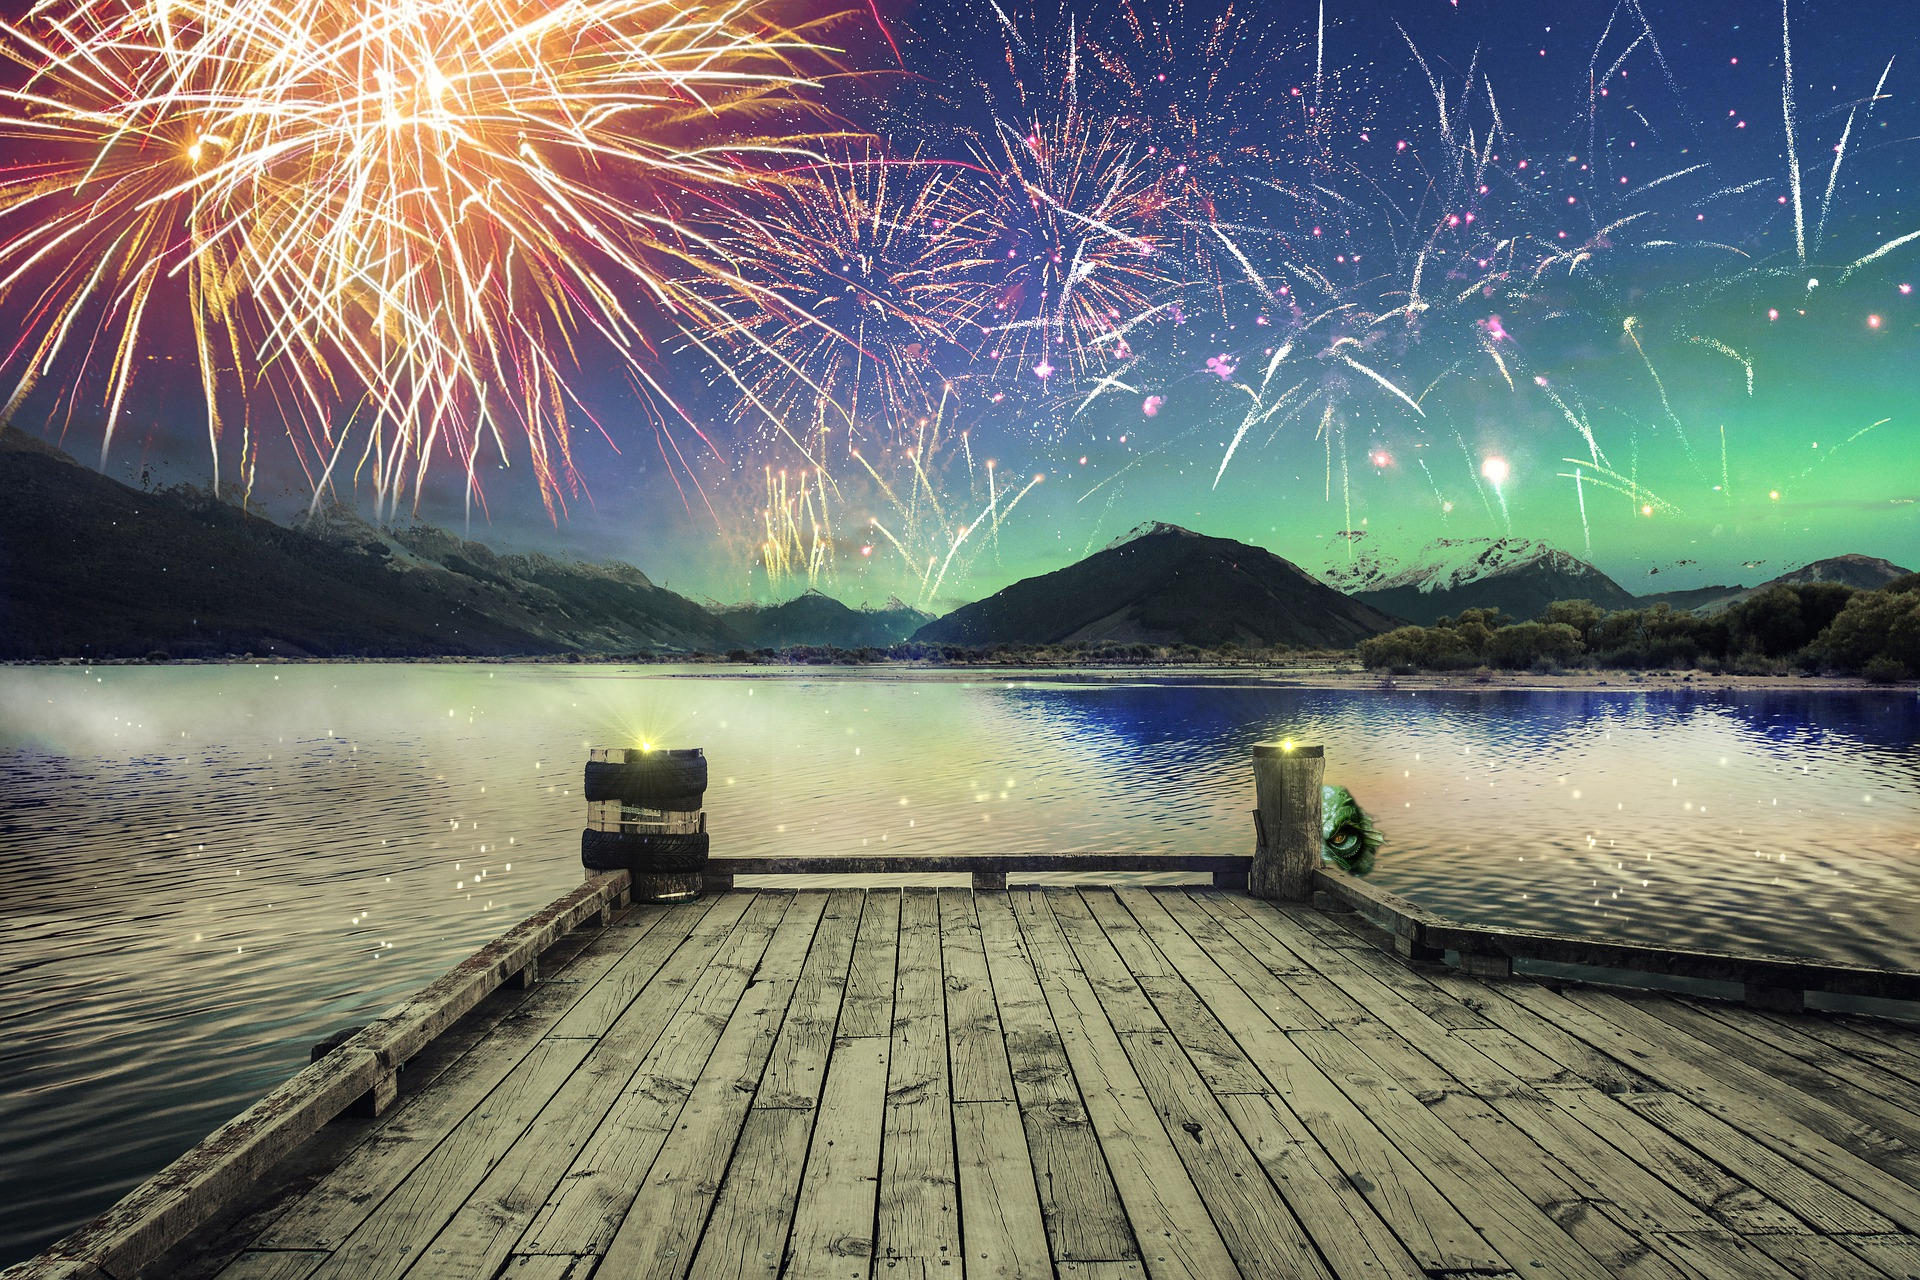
[1750,662]
[1884,670]
[1397,648]
[1525,643]
[1781,621]
[1582,615]
[1875,624]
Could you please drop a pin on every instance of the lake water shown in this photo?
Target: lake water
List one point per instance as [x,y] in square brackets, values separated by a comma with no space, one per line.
[205,869]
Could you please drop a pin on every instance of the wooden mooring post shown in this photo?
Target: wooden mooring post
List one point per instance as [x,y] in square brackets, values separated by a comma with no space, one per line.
[1286,819]
[644,817]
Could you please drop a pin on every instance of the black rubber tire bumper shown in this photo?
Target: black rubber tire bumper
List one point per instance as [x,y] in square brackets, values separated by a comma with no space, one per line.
[658,781]
[647,853]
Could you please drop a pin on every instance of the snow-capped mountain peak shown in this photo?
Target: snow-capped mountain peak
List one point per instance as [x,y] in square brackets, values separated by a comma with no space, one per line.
[1447,563]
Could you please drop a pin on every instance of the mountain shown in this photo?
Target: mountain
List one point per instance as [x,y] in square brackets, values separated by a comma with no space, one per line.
[817,619]
[1868,573]
[1166,585]
[1694,599]
[1514,575]
[92,568]
[1865,573]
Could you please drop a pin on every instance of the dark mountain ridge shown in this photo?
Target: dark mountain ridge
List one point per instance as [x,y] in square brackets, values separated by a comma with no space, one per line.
[813,618]
[1167,585]
[92,568]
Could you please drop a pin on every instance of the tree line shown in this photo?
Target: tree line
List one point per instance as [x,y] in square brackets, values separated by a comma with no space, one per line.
[1814,626]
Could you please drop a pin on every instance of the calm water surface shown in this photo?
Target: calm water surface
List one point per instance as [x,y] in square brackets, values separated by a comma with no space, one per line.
[205,869]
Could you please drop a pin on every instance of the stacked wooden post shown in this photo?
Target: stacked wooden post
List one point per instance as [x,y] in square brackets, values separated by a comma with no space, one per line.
[1286,820]
[644,816]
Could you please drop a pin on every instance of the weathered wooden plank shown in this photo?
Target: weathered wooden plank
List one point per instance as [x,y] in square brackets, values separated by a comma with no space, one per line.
[1486,1059]
[1428,1226]
[402,1031]
[1085,1221]
[1853,1036]
[1903,1037]
[1609,1206]
[919,1212]
[1810,1198]
[547,1266]
[1275,979]
[1168,1214]
[329,1212]
[867,1007]
[1811,1257]
[1813,1134]
[1366,977]
[977,1051]
[564,1095]
[1003,1233]
[573,1175]
[833,1220]
[1887,1101]
[797,1067]
[1728,1200]
[1540,1149]
[1717,1255]
[747,1234]
[595,1008]
[1505,1214]
[1814,1200]
[1493,1001]
[1354,1239]
[1259,1229]
[162,1210]
[1119,951]
[655,1239]
[1897,1255]
[397,1230]
[1562,1160]
[274,1264]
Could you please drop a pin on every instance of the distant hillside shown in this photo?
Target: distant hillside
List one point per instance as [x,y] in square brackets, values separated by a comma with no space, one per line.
[1167,585]
[1865,573]
[92,568]
[1868,573]
[1518,577]
[817,619]
[1693,599]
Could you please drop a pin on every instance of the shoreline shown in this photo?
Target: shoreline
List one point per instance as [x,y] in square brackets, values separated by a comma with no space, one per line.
[1317,673]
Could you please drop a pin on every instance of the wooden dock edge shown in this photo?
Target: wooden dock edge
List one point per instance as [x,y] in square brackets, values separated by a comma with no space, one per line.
[988,870]
[1769,982]
[164,1209]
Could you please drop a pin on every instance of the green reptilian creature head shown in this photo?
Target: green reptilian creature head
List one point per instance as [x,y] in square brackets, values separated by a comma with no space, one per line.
[1348,838]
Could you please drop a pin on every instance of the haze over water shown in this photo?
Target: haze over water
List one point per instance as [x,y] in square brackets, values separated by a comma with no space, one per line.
[208,868]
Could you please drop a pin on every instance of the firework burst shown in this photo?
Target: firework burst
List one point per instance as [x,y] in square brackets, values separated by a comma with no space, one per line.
[1074,236]
[864,273]
[398,220]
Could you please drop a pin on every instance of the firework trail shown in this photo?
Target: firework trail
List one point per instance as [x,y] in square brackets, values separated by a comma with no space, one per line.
[1069,241]
[865,275]
[402,219]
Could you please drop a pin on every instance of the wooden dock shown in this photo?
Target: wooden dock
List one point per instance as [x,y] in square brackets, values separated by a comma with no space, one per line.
[1085,1082]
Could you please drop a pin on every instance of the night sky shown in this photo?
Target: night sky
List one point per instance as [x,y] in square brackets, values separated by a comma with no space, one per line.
[1312,280]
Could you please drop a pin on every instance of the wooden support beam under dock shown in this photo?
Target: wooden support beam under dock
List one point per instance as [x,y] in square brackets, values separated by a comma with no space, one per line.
[1087,1082]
